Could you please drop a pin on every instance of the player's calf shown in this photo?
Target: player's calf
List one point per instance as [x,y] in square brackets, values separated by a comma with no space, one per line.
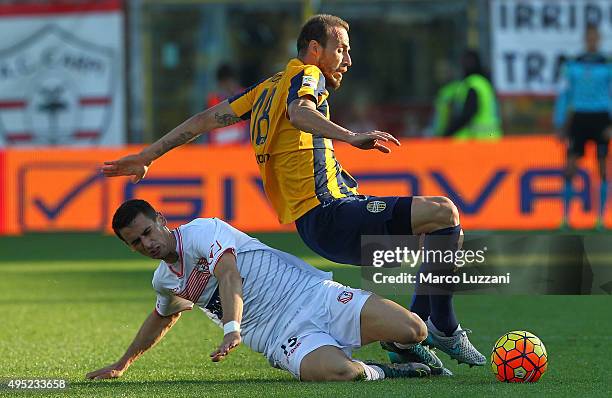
[329,363]
[348,371]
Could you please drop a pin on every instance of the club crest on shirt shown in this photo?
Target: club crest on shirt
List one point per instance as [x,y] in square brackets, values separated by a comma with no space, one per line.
[309,81]
[376,206]
[202,265]
[345,297]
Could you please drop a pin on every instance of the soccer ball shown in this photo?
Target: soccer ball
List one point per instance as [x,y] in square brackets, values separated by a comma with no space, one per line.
[519,357]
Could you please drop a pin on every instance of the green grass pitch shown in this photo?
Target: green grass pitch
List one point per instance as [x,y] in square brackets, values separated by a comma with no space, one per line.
[72,303]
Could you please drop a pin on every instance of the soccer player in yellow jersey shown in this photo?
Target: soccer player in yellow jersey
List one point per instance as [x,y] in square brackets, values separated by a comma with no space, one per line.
[291,134]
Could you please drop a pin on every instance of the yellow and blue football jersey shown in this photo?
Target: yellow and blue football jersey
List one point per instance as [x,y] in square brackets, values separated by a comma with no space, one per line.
[299,169]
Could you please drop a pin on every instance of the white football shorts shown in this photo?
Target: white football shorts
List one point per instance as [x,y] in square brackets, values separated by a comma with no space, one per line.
[331,316]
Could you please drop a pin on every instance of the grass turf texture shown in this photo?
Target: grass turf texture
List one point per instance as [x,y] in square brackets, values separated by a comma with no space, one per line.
[73,302]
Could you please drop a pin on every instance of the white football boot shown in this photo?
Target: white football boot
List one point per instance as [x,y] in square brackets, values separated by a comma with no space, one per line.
[457,346]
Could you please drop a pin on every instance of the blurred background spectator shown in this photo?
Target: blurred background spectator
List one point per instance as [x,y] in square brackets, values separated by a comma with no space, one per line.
[227,86]
[583,113]
[473,109]
[443,102]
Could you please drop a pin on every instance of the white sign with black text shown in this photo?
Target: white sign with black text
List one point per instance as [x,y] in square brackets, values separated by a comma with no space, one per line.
[62,78]
[531,39]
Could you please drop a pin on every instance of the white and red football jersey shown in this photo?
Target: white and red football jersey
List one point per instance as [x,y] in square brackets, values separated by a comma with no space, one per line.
[274,283]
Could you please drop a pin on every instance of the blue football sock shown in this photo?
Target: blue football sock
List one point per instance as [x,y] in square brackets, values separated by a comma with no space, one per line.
[442,313]
[420,305]
[603,197]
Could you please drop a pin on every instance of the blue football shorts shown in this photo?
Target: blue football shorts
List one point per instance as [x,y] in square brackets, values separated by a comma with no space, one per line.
[334,229]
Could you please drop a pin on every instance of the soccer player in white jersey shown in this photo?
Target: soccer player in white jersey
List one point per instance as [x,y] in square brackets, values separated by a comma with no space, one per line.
[275,303]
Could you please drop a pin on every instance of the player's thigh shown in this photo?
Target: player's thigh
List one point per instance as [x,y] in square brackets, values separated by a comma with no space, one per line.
[328,363]
[430,213]
[385,320]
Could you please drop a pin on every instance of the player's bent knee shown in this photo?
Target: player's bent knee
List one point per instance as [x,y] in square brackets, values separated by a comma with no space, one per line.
[420,328]
[414,329]
[445,213]
[452,213]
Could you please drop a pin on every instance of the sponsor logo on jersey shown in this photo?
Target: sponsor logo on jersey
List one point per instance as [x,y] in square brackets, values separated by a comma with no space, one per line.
[309,81]
[345,297]
[376,206]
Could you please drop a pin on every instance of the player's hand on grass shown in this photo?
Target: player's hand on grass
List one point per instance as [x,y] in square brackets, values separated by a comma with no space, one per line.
[373,140]
[110,372]
[131,165]
[230,341]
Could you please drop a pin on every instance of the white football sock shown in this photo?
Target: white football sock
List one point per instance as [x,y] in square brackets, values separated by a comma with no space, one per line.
[372,372]
[434,329]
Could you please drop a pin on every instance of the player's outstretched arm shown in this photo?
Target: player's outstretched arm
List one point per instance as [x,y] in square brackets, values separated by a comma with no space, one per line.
[137,165]
[304,115]
[230,292]
[151,331]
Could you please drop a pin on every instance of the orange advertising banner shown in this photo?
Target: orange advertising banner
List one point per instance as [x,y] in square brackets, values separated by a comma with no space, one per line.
[514,183]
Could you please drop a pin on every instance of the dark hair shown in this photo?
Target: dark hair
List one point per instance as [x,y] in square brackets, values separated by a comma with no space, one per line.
[471,63]
[127,212]
[225,72]
[318,28]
